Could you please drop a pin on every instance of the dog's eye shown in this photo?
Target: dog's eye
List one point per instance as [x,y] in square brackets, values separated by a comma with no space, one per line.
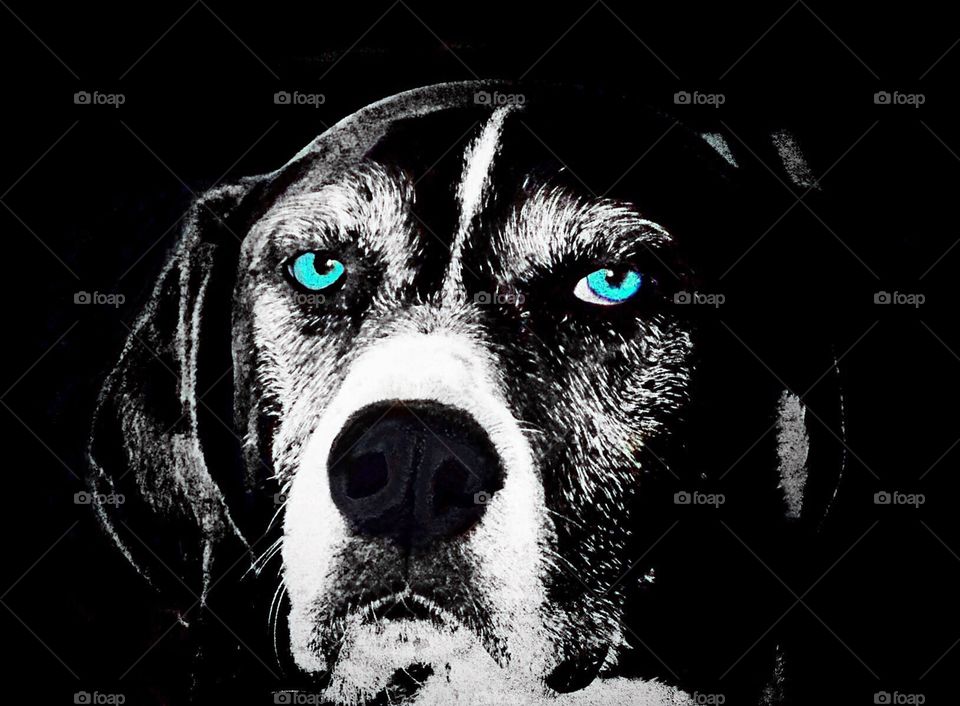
[606,287]
[315,273]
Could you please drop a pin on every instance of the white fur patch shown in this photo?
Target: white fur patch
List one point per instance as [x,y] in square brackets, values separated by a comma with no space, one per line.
[474,186]
[793,445]
[720,145]
[794,163]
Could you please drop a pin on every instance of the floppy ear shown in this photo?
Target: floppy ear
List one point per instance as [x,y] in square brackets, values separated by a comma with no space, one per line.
[172,454]
[809,415]
[811,424]
[157,497]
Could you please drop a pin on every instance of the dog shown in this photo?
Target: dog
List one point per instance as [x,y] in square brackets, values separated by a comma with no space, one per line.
[474,360]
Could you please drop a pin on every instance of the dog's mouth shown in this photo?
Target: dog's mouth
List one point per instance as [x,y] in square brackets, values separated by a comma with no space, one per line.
[405,605]
[412,617]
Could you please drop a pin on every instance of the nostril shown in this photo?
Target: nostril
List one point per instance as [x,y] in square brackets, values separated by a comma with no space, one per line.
[366,474]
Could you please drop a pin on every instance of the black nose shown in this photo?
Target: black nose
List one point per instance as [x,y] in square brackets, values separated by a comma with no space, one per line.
[414,471]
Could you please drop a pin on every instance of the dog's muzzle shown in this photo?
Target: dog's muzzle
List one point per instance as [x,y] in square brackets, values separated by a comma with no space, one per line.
[414,471]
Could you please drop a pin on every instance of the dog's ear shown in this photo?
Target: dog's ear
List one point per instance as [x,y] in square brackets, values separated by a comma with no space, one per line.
[154,489]
[801,351]
[168,444]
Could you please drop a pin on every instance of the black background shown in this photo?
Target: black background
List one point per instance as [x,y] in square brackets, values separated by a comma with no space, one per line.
[92,196]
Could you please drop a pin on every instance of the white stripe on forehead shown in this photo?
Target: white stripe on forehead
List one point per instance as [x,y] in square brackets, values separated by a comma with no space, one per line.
[474,189]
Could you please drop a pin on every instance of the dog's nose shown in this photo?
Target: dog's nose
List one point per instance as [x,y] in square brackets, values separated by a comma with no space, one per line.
[415,471]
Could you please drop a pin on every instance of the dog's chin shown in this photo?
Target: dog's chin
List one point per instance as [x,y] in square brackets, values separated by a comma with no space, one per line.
[431,663]
[407,647]
[405,655]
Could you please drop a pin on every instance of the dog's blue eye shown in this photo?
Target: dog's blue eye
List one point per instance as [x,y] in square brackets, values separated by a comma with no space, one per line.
[316,275]
[604,287]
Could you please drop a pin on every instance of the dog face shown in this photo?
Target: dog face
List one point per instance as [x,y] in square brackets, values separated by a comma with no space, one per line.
[548,387]
[462,366]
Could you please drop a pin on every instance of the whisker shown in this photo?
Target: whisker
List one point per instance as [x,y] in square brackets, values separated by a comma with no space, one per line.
[280,509]
[566,519]
[260,563]
[273,617]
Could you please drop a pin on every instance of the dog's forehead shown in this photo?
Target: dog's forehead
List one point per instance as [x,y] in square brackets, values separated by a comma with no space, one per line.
[466,171]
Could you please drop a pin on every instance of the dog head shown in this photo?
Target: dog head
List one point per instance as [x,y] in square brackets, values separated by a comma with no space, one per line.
[461,365]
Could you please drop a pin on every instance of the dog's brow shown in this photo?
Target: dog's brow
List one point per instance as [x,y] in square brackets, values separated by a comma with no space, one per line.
[553,223]
[366,206]
[299,221]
